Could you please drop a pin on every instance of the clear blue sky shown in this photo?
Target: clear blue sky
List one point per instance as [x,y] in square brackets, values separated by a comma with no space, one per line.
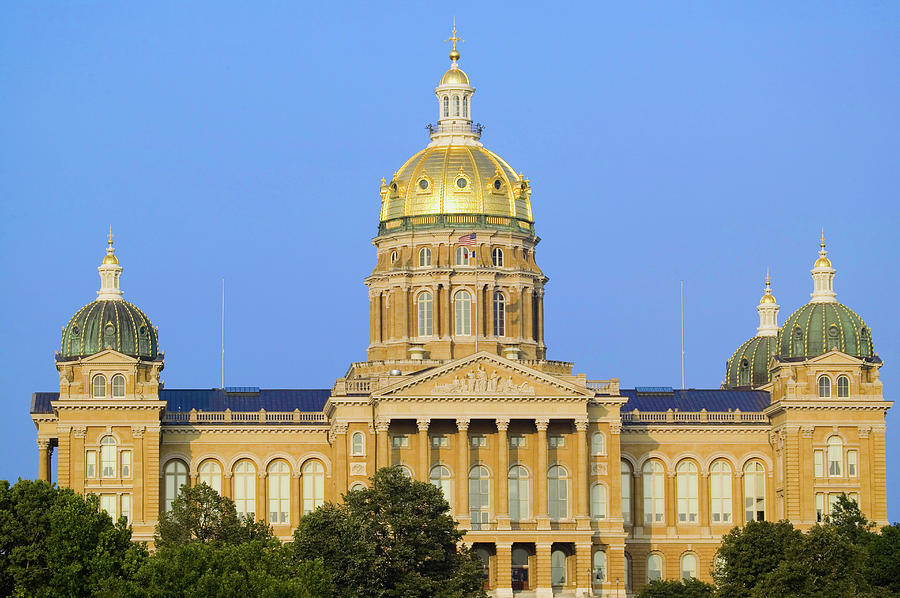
[665,141]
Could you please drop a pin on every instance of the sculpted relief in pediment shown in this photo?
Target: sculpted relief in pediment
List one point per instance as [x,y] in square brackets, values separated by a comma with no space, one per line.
[483,381]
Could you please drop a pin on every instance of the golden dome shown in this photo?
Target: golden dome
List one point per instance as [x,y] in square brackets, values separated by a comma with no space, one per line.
[456,179]
[455,76]
[822,262]
[767,296]
[110,259]
[767,299]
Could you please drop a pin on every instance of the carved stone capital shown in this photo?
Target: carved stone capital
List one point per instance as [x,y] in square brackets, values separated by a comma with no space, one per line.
[542,423]
[228,475]
[864,431]
[79,431]
[615,428]
[43,444]
[382,424]
[339,427]
[581,424]
[502,424]
[138,431]
[807,431]
[422,424]
[462,424]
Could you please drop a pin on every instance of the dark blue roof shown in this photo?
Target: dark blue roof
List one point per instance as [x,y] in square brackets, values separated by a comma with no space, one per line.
[693,399]
[216,399]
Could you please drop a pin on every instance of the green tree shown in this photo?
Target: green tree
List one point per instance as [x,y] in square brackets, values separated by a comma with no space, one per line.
[848,520]
[749,553]
[667,588]
[395,539]
[200,514]
[54,542]
[883,562]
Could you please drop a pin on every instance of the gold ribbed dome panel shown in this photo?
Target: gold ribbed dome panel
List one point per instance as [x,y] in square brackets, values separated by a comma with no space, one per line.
[456,179]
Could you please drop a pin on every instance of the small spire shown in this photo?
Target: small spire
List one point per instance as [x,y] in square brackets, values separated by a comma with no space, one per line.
[822,242]
[823,276]
[768,311]
[454,53]
[110,250]
[110,271]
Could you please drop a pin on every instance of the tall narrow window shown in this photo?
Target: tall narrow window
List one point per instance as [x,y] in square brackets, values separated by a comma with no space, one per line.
[313,486]
[466,106]
[455,105]
[843,387]
[125,507]
[820,507]
[108,504]
[654,567]
[245,489]
[464,256]
[108,457]
[598,501]
[279,493]
[819,464]
[358,444]
[626,492]
[90,464]
[852,458]
[446,106]
[424,257]
[462,303]
[425,313]
[118,386]
[720,492]
[688,566]
[558,492]
[175,475]
[519,493]
[98,386]
[835,457]
[686,484]
[599,566]
[479,496]
[558,568]
[440,478]
[125,463]
[211,475]
[598,444]
[654,492]
[824,387]
[497,257]
[754,491]
[499,314]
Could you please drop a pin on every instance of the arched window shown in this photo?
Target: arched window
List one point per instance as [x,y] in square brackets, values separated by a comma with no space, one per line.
[479,496]
[598,501]
[499,314]
[654,492]
[720,492]
[797,348]
[843,387]
[626,492]
[558,492]
[599,572]
[406,471]
[424,257]
[357,444]
[835,457]
[824,387]
[118,386]
[394,256]
[686,489]
[497,257]
[425,313]
[654,567]
[455,105]
[245,489]
[466,106]
[754,491]
[462,303]
[440,477]
[211,475]
[688,566]
[98,386]
[519,493]
[745,372]
[558,568]
[446,106]
[108,457]
[313,486]
[357,486]
[464,257]
[598,444]
[175,474]
[629,581]
[279,493]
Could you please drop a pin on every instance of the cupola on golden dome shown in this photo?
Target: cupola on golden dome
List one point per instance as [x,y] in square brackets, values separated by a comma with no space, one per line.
[455,180]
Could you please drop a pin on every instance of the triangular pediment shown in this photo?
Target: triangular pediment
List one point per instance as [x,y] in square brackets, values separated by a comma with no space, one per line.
[835,358]
[483,375]
[108,357]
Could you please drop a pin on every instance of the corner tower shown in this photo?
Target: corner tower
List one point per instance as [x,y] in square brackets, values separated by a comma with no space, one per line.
[455,270]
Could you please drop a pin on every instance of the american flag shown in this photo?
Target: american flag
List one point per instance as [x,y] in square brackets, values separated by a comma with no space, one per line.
[468,240]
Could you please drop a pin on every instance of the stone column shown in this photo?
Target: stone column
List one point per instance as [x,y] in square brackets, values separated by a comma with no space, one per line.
[445,311]
[502,506]
[489,311]
[424,453]
[703,497]
[63,477]
[581,476]
[584,569]
[671,515]
[296,499]
[43,459]
[339,437]
[540,478]
[76,470]
[807,495]
[504,570]
[140,482]
[462,472]
[381,439]
[637,498]
[228,484]
[543,585]
[378,318]
[737,498]
[404,313]
[262,495]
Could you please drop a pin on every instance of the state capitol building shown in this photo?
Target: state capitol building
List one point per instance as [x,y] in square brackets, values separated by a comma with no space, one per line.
[565,485]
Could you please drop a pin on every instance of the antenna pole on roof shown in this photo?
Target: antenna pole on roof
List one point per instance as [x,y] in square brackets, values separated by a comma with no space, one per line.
[682,335]
[223,333]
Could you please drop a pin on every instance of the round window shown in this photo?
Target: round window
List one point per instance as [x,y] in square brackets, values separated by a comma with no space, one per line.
[423,184]
[75,329]
[461,183]
[832,330]
[497,184]
[394,187]
[110,329]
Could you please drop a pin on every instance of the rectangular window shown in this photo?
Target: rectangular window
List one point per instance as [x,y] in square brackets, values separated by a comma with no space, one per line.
[852,458]
[626,497]
[125,457]
[400,441]
[516,442]
[820,507]
[854,497]
[108,504]
[556,441]
[819,464]
[440,441]
[832,501]
[90,464]
[125,507]
[478,441]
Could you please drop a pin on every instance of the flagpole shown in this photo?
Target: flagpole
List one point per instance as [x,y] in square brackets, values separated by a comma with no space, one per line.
[477,293]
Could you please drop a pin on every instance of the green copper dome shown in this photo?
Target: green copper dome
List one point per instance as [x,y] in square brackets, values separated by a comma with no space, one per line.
[749,366]
[817,328]
[109,324]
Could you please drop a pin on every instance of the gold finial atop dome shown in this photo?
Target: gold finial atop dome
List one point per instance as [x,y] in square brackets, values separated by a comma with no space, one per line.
[823,261]
[455,75]
[454,53]
[767,296]
[110,257]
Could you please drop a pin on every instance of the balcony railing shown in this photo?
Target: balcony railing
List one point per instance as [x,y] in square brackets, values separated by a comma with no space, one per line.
[245,417]
[459,221]
[693,417]
[468,128]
